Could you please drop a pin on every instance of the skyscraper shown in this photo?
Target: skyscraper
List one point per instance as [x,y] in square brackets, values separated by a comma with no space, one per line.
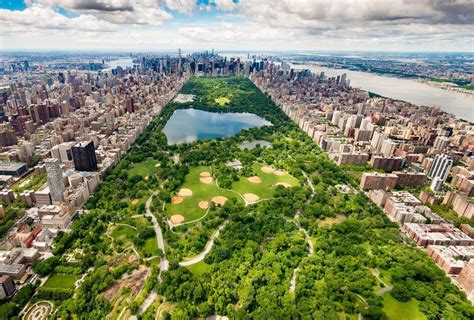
[440,167]
[84,157]
[55,179]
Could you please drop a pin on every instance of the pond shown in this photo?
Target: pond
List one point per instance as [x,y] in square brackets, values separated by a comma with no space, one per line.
[188,125]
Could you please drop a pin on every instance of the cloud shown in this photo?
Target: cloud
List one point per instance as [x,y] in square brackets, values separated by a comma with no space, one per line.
[39,17]
[115,11]
[181,6]
[225,5]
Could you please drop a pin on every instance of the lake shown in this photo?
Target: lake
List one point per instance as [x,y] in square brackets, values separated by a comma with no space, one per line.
[457,103]
[188,125]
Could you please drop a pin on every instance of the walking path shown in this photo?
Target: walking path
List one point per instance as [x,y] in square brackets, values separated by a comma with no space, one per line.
[303,230]
[164,264]
[206,250]
[148,301]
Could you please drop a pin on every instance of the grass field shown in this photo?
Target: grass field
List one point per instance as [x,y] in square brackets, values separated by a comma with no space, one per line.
[199,268]
[123,233]
[401,310]
[60,281]
[189,208]
[266,188]
[144,168]
[150,248]
[222,101]
[329,221]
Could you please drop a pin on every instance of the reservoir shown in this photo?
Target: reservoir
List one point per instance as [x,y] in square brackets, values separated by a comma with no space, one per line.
[188,125]
[457,103]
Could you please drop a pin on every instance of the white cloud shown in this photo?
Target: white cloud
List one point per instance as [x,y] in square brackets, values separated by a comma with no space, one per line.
[39,17]
[115,11]
[181,6]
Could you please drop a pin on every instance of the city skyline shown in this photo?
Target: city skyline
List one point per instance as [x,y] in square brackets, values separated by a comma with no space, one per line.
[244,25]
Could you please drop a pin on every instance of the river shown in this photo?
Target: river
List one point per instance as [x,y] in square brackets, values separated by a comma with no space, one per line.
[457,103]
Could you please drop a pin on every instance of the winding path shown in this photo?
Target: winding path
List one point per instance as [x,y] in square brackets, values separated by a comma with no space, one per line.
[310,183]
[303,230]
[164,264]
[206,250]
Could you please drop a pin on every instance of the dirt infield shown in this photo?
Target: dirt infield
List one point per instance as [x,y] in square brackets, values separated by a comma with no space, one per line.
[279,173]
[203,204]
[254,179]
[176,200]
[268,169]
[135,202]
[250,197]
[157,165]
[219,200]
[206,180]
[185,192]
[205,174]
[177,219]
[284,184]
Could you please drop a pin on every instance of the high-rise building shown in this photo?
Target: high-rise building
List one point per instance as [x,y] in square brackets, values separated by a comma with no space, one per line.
[84,156]
[440,167]
[377,140]
[441,143]
[55,179]
[388,147]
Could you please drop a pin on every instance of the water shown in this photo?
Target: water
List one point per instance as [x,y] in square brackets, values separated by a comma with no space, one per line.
[457,103]
[188,125]
[122,62]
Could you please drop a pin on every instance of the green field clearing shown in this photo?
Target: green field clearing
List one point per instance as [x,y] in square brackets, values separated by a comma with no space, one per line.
[150,248]
[60,281]
[401,310]
[266,188]
[123,233]
[199,268]
[144,168]
[222,101]
[189,208]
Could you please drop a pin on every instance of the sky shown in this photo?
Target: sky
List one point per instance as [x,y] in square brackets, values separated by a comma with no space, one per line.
[238,25]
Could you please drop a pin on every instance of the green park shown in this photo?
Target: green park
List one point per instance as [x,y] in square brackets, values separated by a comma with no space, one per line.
[254,233]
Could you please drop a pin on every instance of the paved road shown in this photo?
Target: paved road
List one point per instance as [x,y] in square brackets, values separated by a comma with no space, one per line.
[207,249]
[148,301]
[311,186]
[164,264]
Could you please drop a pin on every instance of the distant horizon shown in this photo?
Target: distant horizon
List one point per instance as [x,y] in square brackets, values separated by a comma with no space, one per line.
[224,51]
[251,25]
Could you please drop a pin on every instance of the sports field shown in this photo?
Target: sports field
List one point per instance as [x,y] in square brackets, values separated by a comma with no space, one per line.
[200,190]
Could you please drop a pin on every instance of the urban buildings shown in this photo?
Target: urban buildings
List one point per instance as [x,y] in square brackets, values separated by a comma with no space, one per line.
[84,156]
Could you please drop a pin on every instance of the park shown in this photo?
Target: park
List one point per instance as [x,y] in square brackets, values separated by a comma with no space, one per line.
[213,224]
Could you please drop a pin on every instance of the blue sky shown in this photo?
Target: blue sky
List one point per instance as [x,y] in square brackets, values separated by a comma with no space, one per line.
[393,25]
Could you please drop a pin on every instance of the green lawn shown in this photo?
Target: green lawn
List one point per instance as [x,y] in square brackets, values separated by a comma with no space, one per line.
[222,101]
[199,268]
[60,281]
[144,168]
[123,233]
[401,310]
[266,188]
[150,247]
[189,208]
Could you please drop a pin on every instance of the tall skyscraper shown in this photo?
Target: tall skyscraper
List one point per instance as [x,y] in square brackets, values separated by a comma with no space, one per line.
[440,167]
[84,157]
[55,179]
